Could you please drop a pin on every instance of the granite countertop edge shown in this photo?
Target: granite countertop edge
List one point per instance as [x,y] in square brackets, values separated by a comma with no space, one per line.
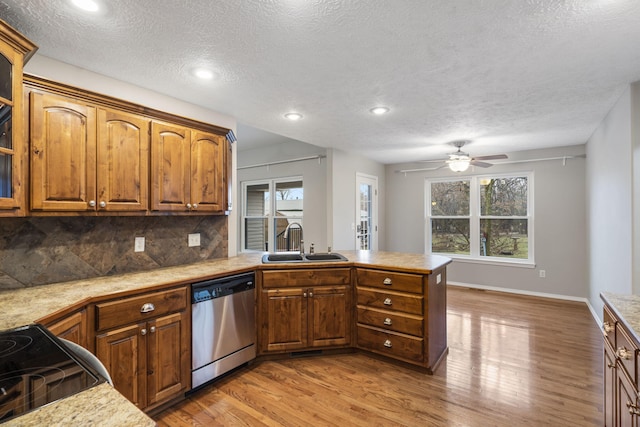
[627,310]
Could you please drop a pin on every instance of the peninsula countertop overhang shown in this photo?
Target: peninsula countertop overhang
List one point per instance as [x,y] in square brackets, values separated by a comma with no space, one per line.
[18,308]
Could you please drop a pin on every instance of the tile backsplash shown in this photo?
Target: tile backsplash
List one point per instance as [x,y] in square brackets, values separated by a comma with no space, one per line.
[40,250]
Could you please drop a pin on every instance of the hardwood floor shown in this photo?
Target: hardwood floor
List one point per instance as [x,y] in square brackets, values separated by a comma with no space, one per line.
[513,361]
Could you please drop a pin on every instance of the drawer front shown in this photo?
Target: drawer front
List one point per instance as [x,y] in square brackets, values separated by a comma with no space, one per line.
[304,277]
[394,301]
[131,310]
[609,327]
[626,353]
[391,281]
[391,344]
[405,323]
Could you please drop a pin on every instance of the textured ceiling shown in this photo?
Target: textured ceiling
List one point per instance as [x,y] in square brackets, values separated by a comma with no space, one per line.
[509,75]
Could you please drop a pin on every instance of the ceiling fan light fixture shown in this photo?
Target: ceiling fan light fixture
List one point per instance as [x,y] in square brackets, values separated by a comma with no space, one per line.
[459,164]
[204,74]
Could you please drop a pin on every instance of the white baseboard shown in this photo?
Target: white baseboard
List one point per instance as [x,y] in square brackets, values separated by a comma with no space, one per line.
[533,294]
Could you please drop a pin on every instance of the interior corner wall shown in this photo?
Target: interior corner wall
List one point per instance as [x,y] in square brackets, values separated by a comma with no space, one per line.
[610,204]
[635,141]
[345,166]
[559,223]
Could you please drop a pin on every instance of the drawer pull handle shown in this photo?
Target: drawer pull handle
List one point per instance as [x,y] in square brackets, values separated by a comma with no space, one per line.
[387,301]
[386,281]
[387,321]
[152,329]
[607,327]
[623,353]
[147,308]
[143,331]
[387,343]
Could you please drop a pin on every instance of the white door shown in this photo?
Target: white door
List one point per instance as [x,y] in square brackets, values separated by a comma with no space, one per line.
[366,212]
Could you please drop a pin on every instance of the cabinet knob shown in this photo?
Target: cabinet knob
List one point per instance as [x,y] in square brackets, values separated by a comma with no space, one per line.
[195,206]
[304,294]
[387,321]
[152,329]
[386,281]
[310,294]
[188,205]
[607,327]
[143,331]
[387,301]
[103,204]
[387,344]
[611,365]
[147,308]
[92,203]
[623,353]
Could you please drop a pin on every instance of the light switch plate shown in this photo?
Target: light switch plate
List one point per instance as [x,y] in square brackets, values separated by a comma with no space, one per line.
[438,279]
[138,246]
[194,239]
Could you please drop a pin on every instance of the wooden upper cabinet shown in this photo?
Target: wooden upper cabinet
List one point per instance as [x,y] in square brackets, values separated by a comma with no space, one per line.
[123,161]
[170,167]
[207,172]
[187,169]
[14,51]
[63,153]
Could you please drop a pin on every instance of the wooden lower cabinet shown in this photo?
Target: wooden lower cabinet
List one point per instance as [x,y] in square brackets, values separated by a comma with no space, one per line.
[621,356]
[72,327]
[296,318]
[148,360]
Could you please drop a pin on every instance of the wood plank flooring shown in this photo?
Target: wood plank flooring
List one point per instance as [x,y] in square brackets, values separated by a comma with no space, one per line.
[513,361]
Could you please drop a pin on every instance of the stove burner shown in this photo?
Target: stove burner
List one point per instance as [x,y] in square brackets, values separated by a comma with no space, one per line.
[14,344]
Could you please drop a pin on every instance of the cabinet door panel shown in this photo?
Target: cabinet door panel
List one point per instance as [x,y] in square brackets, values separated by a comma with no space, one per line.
[330,316]
[123,161]
[168,364]
[207,170]
[610,372]
[170,167]
[123,353]
[286,319]
[63,161]
[72,328]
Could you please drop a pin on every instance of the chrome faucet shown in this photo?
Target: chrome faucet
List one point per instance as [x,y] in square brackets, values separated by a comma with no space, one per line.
[286,235]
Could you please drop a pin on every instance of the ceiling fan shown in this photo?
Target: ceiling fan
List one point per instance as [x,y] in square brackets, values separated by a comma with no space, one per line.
[460,161]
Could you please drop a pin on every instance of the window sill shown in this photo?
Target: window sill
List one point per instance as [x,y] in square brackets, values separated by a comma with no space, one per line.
[492,261]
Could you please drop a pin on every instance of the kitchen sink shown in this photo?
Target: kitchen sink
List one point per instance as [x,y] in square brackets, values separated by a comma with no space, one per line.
[325,257]
[317,257]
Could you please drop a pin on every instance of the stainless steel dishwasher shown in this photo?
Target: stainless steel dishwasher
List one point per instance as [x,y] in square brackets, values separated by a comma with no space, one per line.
[223,326]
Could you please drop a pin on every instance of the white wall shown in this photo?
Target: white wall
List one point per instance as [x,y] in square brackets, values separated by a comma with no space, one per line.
[343,169]
[610,203]
[314,179]
[559,223]
[51,69]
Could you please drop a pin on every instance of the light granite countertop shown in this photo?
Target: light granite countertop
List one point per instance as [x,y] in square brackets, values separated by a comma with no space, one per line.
[627,310]
[103,405]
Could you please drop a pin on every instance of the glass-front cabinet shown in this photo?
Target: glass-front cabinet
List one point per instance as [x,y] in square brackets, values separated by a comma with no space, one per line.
[14,51]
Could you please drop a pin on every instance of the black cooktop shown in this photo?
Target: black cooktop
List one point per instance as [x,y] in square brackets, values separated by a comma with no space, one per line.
[36,368]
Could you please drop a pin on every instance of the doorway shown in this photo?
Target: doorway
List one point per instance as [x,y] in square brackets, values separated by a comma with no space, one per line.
[366,212]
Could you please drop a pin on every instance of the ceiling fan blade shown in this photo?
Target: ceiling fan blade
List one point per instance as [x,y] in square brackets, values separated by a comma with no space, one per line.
[493,157]
[480,164]
[433,161]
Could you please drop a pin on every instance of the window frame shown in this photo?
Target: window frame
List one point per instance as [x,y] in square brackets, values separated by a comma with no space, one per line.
[475,218]
[270,216]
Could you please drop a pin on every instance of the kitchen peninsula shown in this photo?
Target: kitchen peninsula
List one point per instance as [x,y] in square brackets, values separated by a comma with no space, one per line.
[418,291]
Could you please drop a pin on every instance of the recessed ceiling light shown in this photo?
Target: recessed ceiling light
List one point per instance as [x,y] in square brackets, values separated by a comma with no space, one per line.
[88,5]
[204,74]
[379,110]
[293,116]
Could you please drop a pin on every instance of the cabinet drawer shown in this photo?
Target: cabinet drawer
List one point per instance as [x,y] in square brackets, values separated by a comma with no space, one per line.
[310,277]
[392,344]
[394,301]
[626,352]
[131,310]
[609,327]
[388,280]
[406,323]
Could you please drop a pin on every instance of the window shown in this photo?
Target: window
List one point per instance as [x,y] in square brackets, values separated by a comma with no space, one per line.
[269,207]
[481,217]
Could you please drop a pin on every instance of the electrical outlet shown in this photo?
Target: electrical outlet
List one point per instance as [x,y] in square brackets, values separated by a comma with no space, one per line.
[138,246]
[543,274]
[194,240]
